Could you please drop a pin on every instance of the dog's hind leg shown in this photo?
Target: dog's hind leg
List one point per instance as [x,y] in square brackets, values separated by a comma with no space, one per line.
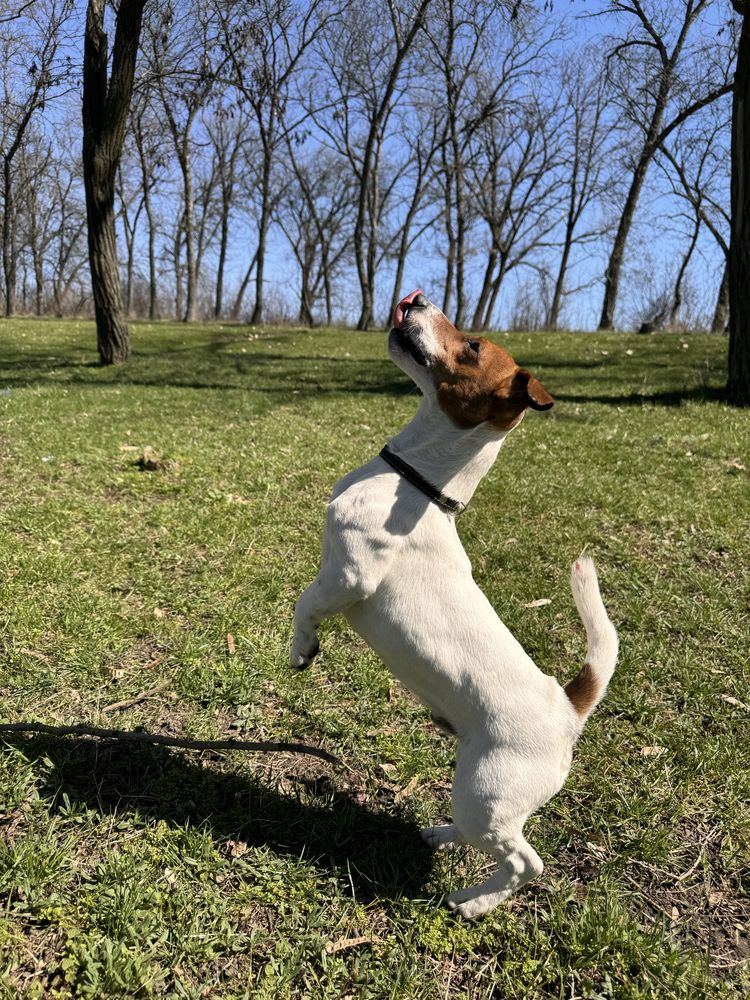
[493,795]
[444,836]
[518,862]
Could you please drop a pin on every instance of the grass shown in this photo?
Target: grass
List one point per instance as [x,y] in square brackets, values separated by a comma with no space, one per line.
[151,873]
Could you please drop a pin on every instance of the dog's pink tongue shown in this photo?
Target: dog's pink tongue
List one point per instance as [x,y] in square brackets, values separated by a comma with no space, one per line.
[398,316]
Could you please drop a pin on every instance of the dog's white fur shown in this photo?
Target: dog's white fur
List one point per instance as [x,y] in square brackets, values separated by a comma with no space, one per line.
[393,564]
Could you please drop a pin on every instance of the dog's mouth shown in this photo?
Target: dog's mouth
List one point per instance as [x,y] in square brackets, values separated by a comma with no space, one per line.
[402,339]
[403,326]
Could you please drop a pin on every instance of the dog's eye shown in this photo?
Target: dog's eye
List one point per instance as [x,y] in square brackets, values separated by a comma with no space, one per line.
[474,345]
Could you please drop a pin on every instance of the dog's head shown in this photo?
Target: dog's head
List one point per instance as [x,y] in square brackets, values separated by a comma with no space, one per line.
[473,380]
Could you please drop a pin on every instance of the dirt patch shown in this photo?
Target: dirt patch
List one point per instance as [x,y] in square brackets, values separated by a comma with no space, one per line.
[706,906]
[40,964]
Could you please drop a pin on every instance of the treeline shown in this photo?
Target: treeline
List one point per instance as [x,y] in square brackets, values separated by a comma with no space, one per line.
[528,156]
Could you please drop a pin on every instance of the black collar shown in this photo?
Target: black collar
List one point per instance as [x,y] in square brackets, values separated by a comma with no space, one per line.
[404,469]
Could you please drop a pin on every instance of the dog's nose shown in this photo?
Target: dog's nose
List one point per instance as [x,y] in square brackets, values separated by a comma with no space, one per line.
[416,298]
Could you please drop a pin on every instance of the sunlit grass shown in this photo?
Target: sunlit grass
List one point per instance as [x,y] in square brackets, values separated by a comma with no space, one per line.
[132,872]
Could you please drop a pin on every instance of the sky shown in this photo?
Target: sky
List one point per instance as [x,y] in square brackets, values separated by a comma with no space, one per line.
[654,245]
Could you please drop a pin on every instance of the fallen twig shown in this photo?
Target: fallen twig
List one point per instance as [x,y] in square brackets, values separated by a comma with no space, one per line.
[343,944]
[126,736]
[136,699]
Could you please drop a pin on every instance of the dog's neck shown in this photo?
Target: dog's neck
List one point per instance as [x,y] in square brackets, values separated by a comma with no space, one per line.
[451,458]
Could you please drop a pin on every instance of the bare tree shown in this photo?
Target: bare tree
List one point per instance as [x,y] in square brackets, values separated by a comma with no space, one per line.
[646,69]
[67,250]
[35,164]
[515,192]
[738,383]
[456,33]
[180,43]
[696,162]
[149,144]
[362,83]
[105,109]
[228,132]
[315,214]
[32,75]
[131,205]
[586,153]
[266,46]
[423,145]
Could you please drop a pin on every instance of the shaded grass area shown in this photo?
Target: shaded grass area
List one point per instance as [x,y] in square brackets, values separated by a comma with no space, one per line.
[143,872]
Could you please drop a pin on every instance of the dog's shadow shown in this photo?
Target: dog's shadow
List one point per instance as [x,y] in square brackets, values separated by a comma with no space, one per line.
[372,845]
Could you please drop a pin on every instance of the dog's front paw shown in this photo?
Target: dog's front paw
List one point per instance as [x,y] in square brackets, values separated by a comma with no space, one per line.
[299,659]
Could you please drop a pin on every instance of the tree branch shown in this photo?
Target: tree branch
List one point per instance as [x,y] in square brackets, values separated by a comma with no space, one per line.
[702,102]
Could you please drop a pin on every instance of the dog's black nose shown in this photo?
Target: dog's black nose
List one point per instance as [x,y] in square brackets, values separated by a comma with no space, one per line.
[419,300]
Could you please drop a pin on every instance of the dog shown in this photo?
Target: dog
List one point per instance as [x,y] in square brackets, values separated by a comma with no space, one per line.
[393,565]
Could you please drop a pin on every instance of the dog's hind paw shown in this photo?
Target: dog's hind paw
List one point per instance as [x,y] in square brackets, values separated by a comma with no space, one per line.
[474,906]
[445,837]
[298,660]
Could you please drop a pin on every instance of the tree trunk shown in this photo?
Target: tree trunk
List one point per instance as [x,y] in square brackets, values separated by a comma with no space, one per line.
[151,254]
[218,300]
[179,312]
[493,298]
[738,384]
[147,182]
[677,294]
[484,295]
[460,243]
[614,265]
[191,267]
[305,295]
[260,253]
[721,313]
[235,312]
[451,250]
[9,255]
[105,109]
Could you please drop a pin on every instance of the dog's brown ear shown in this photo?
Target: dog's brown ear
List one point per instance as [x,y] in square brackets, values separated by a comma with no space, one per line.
[530,391]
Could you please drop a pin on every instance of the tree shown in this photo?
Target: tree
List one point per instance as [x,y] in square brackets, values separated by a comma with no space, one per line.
[457,33]
[738,383]
[515,191]
[697,164]
[149,149]
[228,134]
[362,83]
[645,69]
[315,214]
[179,49]
[31,77]
[105,109]
[266,47]
[586,152]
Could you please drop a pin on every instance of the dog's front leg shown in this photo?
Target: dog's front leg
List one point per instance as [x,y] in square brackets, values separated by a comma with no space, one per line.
[326,596]
[340,584]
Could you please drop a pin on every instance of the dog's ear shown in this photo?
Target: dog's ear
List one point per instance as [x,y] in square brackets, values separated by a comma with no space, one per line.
[530,392]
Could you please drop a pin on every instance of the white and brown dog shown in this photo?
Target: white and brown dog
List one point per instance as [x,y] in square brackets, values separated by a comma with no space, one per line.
[393,564]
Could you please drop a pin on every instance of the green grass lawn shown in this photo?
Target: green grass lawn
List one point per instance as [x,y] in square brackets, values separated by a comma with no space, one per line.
[128,871]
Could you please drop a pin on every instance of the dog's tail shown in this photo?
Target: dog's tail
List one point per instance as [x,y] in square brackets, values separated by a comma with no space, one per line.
[587,689]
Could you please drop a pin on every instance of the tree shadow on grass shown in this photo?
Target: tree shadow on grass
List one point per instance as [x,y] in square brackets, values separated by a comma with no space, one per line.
[674,397]
[206,367]
[372,844]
